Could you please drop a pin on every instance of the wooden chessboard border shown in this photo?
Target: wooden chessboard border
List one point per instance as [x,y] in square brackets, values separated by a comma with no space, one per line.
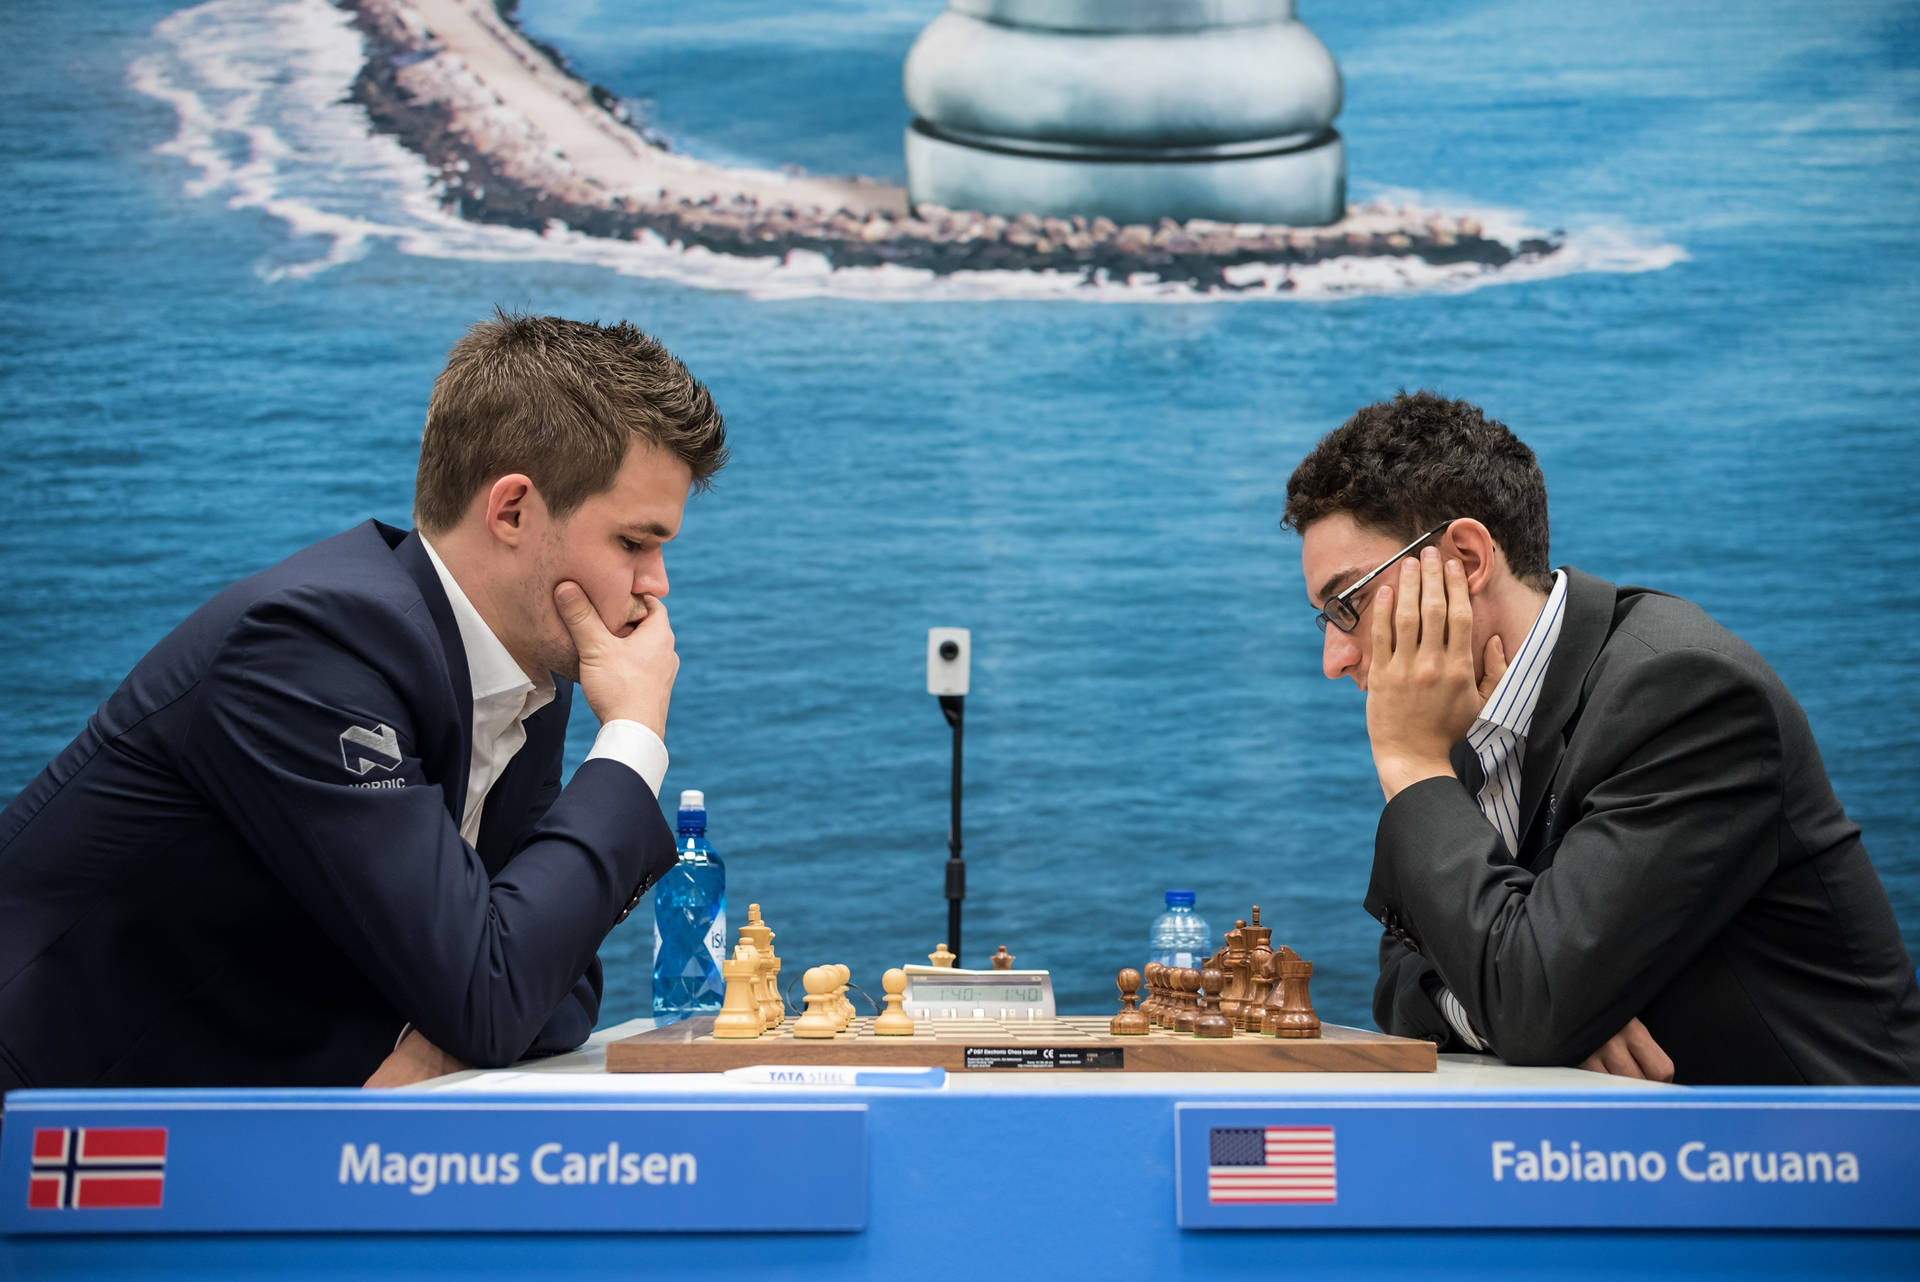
[689,1047]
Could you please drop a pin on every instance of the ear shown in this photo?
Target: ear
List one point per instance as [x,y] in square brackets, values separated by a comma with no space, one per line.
[512,508]
[1478,554]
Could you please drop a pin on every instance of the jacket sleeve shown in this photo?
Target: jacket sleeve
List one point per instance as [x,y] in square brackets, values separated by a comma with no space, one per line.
[1681,829]
[579,1010]
[1403,1001]
[573,1019]
[305,739]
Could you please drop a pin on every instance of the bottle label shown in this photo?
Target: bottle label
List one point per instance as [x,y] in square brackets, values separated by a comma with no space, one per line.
[1183,960]
[717,939]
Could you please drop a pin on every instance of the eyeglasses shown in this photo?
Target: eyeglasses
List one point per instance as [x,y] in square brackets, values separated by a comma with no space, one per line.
[1340,611]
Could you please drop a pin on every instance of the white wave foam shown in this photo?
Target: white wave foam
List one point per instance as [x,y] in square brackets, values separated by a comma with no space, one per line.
[259,89]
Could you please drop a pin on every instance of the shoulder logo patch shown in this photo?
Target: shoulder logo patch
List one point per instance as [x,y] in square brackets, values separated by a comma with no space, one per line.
[362,750]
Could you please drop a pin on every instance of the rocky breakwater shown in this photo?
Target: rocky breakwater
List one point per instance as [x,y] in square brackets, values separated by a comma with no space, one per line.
[513,138]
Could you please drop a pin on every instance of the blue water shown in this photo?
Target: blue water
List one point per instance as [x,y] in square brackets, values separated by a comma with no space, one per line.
[217,344]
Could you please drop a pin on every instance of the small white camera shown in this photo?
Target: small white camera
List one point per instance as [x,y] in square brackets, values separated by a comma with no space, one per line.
[948,653]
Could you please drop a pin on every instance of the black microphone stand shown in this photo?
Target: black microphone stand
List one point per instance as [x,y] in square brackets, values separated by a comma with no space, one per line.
[953,706]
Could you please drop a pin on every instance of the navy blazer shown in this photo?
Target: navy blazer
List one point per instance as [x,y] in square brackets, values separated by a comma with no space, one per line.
[248,868]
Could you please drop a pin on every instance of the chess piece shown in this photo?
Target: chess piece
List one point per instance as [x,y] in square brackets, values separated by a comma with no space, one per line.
[1163,995]
[1170,997]
[1002,960]
[843,1008]
[1185,989]
[1210,1021]
[762,999]
[1276,992]
[1267,981]
[1260,975]
[819,1021]
[1130,1022]
[1295,1018]
[1289,1011]
[1233,971]
[941,957]
[894,1021]
[1150,976]
[760,935]
[739,1016]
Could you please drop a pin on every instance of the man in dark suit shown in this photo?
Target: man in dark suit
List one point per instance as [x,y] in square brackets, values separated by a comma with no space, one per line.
[318,836]
[1609,840]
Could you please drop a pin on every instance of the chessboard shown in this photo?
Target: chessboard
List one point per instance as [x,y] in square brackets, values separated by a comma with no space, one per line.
[1077,1042]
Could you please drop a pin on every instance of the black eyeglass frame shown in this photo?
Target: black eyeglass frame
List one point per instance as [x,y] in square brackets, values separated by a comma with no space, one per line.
[1339,610]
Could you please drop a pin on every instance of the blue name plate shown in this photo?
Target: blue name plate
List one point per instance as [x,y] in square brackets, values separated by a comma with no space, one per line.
[271,1161]
[1725,1160]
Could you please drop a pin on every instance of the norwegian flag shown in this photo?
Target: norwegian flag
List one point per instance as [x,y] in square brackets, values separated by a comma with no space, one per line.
[1264,1164]
[97,1167]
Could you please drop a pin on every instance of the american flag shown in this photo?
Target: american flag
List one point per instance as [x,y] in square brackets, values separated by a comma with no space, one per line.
[97,1167]
[1270,1164]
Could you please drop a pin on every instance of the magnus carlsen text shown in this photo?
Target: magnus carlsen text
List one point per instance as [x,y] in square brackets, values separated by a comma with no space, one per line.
[422,1173]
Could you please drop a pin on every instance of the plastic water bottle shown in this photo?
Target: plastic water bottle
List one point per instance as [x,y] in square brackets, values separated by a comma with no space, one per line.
[690,920]
[1180,936]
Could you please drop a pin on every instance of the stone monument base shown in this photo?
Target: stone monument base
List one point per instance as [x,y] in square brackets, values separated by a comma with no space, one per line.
[1300,186]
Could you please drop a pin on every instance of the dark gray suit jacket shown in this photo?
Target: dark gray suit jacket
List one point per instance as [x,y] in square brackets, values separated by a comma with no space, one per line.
[1682,859]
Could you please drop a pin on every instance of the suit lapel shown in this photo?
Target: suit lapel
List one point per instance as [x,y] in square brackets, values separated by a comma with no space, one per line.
[527,787]
[1583,632]
[1466,768]
[412,554]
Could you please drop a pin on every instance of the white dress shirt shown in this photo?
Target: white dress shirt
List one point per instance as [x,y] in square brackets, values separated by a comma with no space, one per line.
[1499,739]
[504,697]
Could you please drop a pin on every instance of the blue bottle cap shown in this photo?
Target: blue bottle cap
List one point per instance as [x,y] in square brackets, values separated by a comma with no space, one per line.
[1183,898]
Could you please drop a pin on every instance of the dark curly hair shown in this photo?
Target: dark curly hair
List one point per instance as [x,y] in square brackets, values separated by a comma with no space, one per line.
[1405,465]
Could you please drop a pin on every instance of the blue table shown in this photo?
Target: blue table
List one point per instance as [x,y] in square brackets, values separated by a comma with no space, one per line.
[1084,1175]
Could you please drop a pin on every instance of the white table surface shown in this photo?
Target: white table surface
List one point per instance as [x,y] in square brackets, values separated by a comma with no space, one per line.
[583,1072]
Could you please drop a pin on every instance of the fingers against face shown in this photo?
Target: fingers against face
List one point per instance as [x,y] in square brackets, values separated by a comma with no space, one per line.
[1459,615]
[1406,614]
[1382,625]
[1495,666]
[575,609]
[1406,611]
[1433,601]
[1420,609]
[584,625]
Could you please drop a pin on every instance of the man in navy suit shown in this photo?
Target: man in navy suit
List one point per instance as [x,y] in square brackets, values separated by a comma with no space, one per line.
[317,836]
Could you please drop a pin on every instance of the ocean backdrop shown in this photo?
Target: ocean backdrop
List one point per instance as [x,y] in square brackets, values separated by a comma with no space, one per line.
[225,304]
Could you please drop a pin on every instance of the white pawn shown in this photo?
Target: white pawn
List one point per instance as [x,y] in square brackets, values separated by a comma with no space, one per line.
[819,1021]
[842,974]
[894,1021]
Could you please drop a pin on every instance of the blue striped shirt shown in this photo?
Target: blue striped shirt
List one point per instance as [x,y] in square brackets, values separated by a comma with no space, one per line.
[1499,735]
[1499,739]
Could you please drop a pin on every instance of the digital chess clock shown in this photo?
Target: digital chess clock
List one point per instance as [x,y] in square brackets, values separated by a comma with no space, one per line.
[935,992]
